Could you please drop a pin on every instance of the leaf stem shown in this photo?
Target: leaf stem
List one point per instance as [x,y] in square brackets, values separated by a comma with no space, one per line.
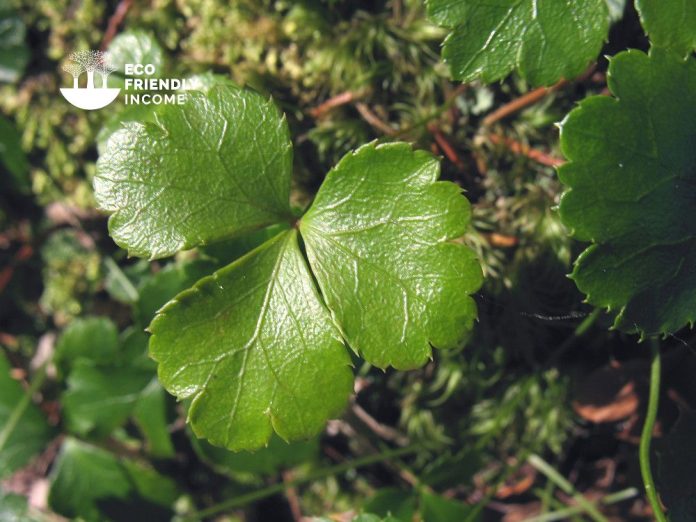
[22,405]
[118,274]
[646,435]
[318,474]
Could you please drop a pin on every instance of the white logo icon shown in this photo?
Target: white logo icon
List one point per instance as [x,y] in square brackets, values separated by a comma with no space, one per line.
[89,97]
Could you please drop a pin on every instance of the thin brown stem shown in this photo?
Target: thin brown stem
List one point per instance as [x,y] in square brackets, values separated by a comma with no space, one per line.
[115,21]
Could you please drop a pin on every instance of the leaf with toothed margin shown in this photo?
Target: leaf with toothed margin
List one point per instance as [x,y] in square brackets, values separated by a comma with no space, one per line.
[255,349]
[380,238]
[213,168]
[670,24]
[631,180]
[543,41]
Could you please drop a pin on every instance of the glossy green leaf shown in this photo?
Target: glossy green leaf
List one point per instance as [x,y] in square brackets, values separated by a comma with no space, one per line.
[380,238]
[30,433]
[85,480]
[631,182]
[100,399]
[670,24]
[14,53]
[543,41]
[255,350]
[134,47]
[213,168]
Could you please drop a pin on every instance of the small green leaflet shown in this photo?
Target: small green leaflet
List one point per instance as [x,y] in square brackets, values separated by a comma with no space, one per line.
[631,183]
[211,169]
[670,24]
[14,53]
[29,432]
[543,41]
[133,47]
[12,157]
[256,347]
[85,476]
[379,238]
[13,508]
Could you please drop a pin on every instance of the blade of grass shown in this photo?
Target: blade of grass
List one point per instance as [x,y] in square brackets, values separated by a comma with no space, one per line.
[563,514]
[546,469]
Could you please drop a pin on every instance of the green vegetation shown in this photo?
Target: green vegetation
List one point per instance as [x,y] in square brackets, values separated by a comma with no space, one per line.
[333,285]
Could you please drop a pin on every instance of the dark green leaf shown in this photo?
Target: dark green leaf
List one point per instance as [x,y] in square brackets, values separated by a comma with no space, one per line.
[165,284]
[150,415]
[13,508]
[393,502]
[676,461]
[213,168]
[100,399]
[271,459]
[12,156]
[255,349]
[93,338]
[380,237]
[14,54]
[631,182]
[29,435]
[84,478]
[435,508]
[543,41]
[224,252]
[670,24]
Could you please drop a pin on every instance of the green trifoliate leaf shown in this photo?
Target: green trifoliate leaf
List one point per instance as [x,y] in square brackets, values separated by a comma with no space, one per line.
[380,237]
[23,430]
[632,183]
[670,24]
[543,40]
[255,350]
[213,168]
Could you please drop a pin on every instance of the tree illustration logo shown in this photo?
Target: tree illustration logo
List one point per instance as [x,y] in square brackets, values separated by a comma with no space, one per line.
[90,97]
